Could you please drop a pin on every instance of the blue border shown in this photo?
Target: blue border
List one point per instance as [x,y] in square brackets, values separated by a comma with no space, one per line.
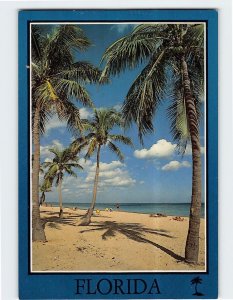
[62,286]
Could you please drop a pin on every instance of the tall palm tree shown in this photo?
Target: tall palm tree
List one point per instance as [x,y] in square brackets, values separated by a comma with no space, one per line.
[99,136]
[63,162]
[57,79]
[174,53]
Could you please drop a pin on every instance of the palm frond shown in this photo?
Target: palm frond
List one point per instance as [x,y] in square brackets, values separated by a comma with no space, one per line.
[116,150]
[59,178]
[127,53]
[69,171]
[81,72]
[121,138]
[178,116]
[36,42]
[57,152]
[52,172]
[45,94]
[74,89]
[194,36]
[69,113]
[47,164]
[91,148]
[145,95]
[59,42]
[74,165]
[46,185]
[88,125]
[45,115]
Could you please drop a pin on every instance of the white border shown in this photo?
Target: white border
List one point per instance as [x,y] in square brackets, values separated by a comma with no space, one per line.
[9,135]
[205,112]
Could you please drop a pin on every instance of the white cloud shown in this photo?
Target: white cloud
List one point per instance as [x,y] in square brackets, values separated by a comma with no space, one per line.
[121,28]
[44,150]
[109,166]
[85,163]
[57,143]
[113,174]
[161,149]
[176,165]
[54,122]
[85,113]
[117,107]
[47,159]
[188,150]
[119,181]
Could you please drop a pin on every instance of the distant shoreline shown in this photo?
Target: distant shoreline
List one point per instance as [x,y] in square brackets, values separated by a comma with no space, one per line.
[103,206]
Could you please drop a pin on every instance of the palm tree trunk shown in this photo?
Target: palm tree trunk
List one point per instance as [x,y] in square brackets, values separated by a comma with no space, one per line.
[192,242]
[42,198]
[195,288]
[60,197]
[87,219]
[38,233]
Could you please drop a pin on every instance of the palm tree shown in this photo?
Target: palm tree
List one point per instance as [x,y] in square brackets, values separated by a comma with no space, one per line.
[197,280]
[45,188]
[173,53]
[62,163]
[57,79]
[99,136]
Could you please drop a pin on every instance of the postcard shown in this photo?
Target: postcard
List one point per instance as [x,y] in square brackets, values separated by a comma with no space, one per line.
[118,154]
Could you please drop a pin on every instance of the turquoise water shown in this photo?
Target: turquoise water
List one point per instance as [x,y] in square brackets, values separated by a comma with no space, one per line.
[171,209]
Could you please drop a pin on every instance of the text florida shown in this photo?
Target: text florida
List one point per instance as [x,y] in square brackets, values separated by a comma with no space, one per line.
[106,286]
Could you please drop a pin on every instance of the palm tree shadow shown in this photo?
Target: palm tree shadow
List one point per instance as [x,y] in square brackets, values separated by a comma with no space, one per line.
[133,231]
[53,220]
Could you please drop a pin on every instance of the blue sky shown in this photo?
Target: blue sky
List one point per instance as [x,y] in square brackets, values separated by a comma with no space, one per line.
[152,173]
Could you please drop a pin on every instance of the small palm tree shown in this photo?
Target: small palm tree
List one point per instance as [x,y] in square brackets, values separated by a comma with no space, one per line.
[57,79]
[62,163]
[172,53]
[99,136]
[197,280]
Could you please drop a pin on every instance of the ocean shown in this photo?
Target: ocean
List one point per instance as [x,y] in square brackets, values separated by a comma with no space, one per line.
[170,209]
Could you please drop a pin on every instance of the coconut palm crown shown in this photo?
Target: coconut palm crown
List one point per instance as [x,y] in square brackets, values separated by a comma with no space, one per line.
[172,54]
[98,136]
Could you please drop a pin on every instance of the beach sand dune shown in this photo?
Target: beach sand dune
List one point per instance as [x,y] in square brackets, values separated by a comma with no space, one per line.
[114,241]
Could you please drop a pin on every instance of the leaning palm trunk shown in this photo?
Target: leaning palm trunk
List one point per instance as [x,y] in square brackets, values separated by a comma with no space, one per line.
[42,198]
[87,219]
[60,198]
[192,243]
[38,233]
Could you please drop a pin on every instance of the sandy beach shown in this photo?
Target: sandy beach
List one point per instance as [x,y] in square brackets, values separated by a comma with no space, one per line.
[114,241]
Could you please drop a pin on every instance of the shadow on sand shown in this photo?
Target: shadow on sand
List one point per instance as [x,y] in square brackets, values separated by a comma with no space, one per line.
[133,231]
[53,219]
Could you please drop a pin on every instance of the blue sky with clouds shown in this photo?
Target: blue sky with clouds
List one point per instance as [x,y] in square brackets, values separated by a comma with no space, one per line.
[152,173]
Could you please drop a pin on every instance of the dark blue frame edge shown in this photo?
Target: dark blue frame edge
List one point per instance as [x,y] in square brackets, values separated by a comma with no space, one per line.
[62,286]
